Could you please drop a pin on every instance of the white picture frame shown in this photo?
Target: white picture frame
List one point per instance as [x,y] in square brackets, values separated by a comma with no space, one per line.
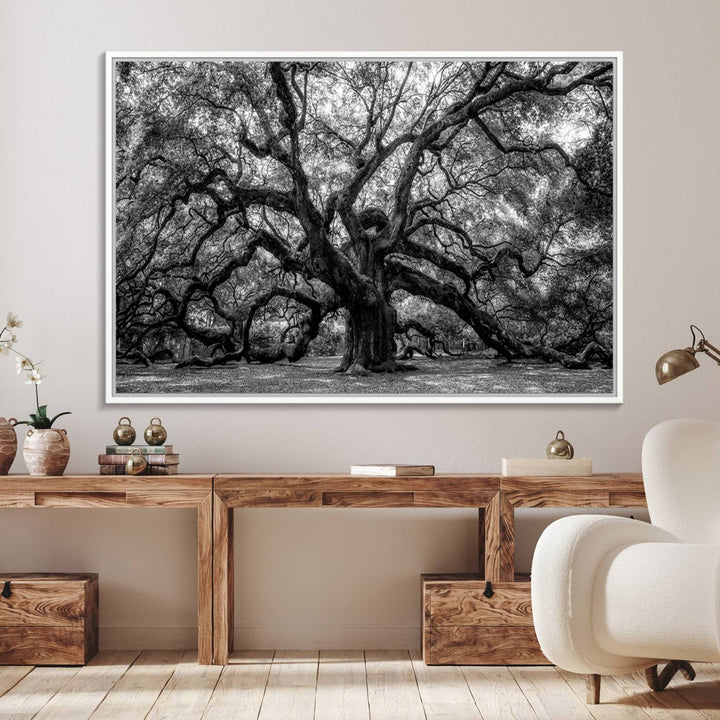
[113,395]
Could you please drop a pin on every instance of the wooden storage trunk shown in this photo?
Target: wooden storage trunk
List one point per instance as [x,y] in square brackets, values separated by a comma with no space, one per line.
[48,619]
[461,626]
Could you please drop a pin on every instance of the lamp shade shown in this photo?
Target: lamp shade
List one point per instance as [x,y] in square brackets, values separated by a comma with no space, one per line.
[675,363]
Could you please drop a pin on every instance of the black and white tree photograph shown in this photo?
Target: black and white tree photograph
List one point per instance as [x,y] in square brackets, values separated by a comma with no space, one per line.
[365,228]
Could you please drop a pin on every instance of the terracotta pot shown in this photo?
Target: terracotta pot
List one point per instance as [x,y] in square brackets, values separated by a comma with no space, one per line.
[8,444]
[46,452]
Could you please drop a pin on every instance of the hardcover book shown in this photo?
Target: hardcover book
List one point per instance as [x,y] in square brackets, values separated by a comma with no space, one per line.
[150,470]
[172,459]
[112,470]
[546,467]
[162,470]
[392,470]
[144,449]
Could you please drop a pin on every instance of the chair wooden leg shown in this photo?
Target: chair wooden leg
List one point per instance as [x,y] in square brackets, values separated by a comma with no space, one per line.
[592,689]
[659,682]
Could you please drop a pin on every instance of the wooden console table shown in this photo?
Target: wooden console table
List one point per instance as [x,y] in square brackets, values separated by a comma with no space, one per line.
[215,498]
[495,497]
[92,491]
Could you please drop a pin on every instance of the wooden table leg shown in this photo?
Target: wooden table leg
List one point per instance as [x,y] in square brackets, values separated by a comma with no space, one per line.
[499,540]
[205,581]
[481,541]
[223,581]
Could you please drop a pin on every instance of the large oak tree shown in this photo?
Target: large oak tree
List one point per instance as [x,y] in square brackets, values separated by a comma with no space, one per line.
[258,200]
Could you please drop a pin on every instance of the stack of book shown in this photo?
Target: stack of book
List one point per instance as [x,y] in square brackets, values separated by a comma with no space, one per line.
[161,460]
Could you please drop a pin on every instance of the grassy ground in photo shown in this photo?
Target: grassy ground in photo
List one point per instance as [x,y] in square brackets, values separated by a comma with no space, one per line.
[313,376]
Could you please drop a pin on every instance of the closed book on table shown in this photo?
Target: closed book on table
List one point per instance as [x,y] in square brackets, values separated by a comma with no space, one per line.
[392,470]
[48,618]
[149,470]
[547,467]
[172,459]
[144,449]
[162,470]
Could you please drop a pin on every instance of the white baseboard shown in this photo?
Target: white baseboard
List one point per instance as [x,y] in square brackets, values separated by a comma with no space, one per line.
[266,637]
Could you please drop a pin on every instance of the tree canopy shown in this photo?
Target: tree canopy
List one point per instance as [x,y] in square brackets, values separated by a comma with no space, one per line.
[267,210]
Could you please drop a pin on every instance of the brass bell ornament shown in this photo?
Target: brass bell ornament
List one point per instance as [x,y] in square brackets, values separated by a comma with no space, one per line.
[560,448]
[136,463]
[155,433]
[124,433]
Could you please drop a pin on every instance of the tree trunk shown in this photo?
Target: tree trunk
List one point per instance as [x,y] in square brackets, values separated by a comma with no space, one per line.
[370,338]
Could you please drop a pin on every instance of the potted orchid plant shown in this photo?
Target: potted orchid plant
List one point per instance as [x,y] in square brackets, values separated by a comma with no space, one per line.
[46,450]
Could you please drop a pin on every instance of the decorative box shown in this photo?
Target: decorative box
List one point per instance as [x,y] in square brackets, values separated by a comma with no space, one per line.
[48,618]
[467,621]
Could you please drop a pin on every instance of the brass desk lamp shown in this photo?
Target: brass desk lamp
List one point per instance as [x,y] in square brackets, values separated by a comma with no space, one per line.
[677,362]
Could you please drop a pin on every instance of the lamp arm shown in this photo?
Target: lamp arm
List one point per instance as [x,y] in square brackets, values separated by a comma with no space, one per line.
[710,350]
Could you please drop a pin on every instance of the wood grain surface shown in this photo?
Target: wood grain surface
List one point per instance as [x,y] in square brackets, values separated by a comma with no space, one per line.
[366,498]
[49,619]
[103,483]
[444,691]
[28,645]
[503,645]
[463,603]
[499,540]
[594,491]
[126,491]
[205,578]
[223,580]
[43,602]
[341,691]
[357,491]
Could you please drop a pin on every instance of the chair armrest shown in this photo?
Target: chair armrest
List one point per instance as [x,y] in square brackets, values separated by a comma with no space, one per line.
[566,561]
[658,599]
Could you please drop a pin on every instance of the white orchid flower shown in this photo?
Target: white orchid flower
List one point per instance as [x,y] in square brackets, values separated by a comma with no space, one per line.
[35,377]
[13,320]
[23,364]
[5,346]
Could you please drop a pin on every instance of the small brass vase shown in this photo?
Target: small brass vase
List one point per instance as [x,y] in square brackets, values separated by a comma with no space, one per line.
[136,463]
[560,448]
[155,433]
[124,433]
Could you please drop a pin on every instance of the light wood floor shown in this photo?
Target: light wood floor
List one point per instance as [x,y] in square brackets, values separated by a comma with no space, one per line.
[370,685]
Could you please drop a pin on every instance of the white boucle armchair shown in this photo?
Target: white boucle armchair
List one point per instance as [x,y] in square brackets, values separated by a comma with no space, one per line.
[613,595]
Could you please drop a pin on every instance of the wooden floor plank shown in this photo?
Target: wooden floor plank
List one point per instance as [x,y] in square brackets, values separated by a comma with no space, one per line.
[497,694]
[34,691]
[251,657]
[548,694]
[444,691]
[347,685]
[187,692]
[703,693]
[241,688]
[78,699]
[138,689]
[342,686]
[615,703]
[666,705]
[290,691]
[392,688]
[11,675]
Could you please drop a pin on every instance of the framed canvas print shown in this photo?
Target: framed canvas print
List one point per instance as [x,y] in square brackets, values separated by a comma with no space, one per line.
[374,228]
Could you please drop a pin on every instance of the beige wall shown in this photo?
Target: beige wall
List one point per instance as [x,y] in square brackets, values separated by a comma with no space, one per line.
[316,577]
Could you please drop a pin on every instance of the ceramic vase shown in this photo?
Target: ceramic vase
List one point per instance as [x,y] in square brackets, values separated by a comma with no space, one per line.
[8,445]
[46,452]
